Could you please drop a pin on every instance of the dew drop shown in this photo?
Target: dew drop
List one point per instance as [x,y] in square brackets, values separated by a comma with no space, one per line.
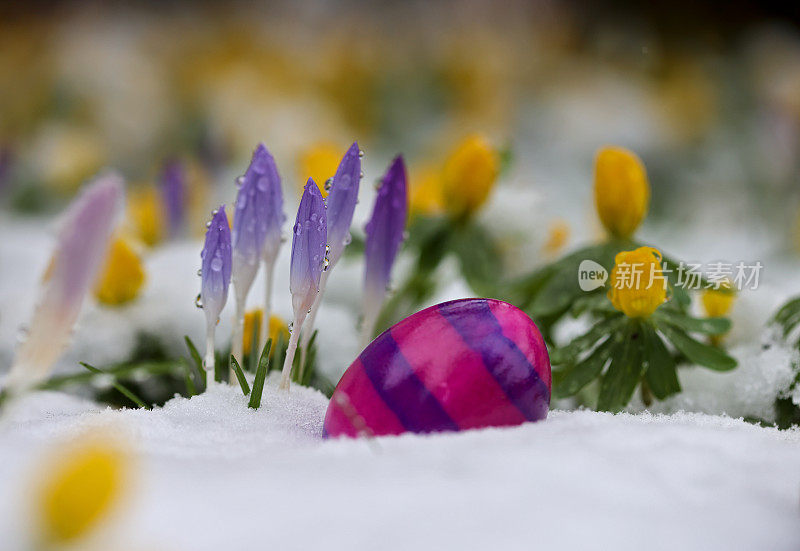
[198,301]
[208,224]
[239,181]
[214,212]
[216,264]
[328,184]
[361,174]
[291,326]
[199,272]
[348,239]
[360,153]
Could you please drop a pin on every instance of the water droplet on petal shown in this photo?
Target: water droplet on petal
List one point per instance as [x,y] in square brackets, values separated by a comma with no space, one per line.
[198,301]
[328,184]
[360,153]
[291,326]
[199,272]
[216,264]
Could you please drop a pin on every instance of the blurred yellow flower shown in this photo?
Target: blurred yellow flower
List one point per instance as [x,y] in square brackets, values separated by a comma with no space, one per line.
[319,162]
[469,175]
[621,190]
[68,156]
[146,214]
[122,276]
[557,238]
[277,327]
[80,490]
[425,192]
[638,286]
[718,302]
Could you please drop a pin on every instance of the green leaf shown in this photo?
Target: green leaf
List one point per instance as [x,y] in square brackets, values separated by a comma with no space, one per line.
[198,360]
[582,343]
[660,375]
[624,372]
[478,258]
[788,316]
[709,326]
[577,376]
[191,389]
[697,352]
[261,375]
[240,375]
[119,386]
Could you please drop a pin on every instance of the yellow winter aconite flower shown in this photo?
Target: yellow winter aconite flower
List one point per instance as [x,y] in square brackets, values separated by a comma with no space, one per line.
[146,214]
[621,190]
[122,276]
[469,175]
[718,302]
[319,162]
[425,192]
[557,238]
[81,490]
[277,327]
[638,286]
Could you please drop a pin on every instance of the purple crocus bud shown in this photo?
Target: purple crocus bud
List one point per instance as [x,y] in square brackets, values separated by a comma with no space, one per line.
[384,234]
[308,250]
[173,188]
[258,219]
[342,202]
[81,248]
[216,267]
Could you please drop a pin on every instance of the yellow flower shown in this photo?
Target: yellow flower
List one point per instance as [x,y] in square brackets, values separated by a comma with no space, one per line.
[146,214]
[469,174]
[277,327]
[80,490]
[718,302]
[621,191]
[319,162]
[557,238]
[638,285]
[425,193]
[122,276]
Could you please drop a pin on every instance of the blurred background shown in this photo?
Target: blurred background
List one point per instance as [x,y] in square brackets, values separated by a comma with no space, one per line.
[707,94]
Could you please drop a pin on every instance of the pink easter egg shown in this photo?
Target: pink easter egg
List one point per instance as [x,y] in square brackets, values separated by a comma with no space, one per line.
[458,365]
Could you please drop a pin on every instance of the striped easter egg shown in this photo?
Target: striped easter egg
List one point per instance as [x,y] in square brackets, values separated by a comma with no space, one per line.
[462,364]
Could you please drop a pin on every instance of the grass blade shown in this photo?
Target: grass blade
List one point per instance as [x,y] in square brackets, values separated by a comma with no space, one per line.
[119,386]
[240,375]
[191,389]
[261,375]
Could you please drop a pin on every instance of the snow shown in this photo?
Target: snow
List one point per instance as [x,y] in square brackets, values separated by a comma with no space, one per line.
[213,474]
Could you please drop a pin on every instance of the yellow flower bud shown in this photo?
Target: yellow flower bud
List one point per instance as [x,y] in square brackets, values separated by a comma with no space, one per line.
[122,276]
[425,192]
[557,238]
[718,302]
[621,190]
[146,214]
[319,162]
[80,490]
[638,286]
[469,174]
[277,327]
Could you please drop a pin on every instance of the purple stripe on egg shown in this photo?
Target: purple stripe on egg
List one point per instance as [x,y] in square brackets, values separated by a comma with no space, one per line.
[401,389]
[364,401]
[517,326]
[501,356]
[473,399]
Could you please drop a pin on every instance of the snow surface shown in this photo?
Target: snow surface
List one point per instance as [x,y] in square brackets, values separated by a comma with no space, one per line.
[213,474]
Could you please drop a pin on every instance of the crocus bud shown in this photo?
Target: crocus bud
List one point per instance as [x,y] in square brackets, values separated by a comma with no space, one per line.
[258,219]
[342,201]
[173,192]
[638,285]
[621,191]
[80,250]
[384,235]
[469,175]
[216,267]
[308,249]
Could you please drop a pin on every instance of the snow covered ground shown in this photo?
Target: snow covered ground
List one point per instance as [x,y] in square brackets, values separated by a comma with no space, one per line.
[214,475]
